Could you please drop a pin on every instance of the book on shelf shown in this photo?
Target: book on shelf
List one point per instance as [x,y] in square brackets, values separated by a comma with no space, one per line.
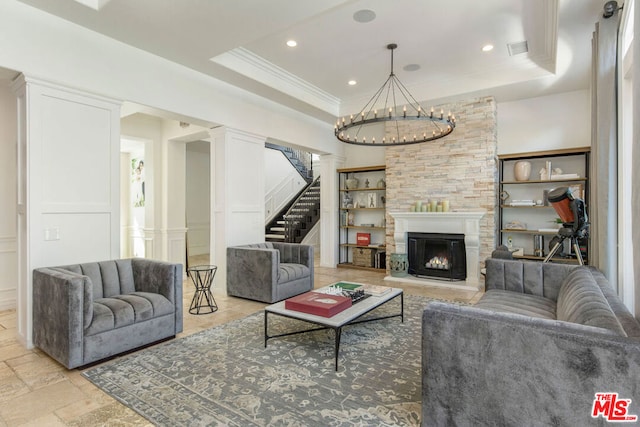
[376,290]
[522,203]
[363,239]
[380,260]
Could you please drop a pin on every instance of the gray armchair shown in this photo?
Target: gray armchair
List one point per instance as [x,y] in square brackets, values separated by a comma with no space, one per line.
[87,312]
[270,271]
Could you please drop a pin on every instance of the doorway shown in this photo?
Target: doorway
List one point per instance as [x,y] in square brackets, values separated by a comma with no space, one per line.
[198,202]
[132,198]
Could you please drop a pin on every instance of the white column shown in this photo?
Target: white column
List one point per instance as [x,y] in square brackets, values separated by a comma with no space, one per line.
[237,193]
[68,183]
[329,209]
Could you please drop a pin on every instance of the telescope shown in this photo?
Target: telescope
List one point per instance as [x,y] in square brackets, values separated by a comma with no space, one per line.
[575,224]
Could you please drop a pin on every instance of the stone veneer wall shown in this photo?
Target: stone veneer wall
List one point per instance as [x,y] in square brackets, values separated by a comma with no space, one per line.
[461,167]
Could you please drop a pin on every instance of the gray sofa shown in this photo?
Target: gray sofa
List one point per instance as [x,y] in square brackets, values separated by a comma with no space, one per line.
[536,348]
[270,271]
[83,313]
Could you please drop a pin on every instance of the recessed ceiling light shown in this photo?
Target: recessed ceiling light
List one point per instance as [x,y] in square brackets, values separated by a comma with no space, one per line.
[487,48]
[352,82]
[292,43]
[363,16]
[411,67]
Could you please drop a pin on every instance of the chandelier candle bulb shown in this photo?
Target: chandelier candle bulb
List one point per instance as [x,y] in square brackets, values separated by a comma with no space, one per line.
[441,114]
[404,111]
[431,113]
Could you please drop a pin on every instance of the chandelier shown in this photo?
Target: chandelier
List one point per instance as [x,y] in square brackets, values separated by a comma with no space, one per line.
[395,117]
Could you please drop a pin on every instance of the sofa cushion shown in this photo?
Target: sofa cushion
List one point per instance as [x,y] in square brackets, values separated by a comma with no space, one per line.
[288,272]
[123,310]
[518,303]
[580,300]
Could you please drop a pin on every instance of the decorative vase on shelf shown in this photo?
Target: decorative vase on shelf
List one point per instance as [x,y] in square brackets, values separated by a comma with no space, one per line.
[522,170]
[352,183]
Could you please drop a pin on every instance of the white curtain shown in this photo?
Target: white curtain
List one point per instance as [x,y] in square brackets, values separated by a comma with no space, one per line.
[602,206]
[635,190]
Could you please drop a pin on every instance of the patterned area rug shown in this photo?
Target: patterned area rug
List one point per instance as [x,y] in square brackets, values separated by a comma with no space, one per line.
[225,376]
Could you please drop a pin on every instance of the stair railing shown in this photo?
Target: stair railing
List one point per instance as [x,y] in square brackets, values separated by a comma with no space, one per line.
[294,224]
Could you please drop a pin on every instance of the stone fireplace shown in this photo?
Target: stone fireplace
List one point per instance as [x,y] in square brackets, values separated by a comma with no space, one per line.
[461,168]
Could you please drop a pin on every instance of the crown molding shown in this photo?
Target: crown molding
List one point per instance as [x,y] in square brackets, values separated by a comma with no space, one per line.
[250,65]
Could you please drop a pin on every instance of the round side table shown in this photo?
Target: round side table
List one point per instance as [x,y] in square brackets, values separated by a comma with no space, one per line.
[202,278]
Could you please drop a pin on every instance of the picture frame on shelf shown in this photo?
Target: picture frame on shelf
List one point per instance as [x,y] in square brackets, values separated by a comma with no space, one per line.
[372,200]
[577,190]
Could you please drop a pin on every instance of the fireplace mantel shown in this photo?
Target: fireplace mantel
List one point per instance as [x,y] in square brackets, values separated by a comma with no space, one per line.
[466,222]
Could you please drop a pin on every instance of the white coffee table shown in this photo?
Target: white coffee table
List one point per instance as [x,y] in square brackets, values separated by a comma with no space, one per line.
[346,317]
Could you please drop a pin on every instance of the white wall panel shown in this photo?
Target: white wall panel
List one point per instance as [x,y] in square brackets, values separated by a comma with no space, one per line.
[177,245]
[545,123]
[76,153]
[9,276]
[78,237]
[198,238]
[247,183]
[8,187]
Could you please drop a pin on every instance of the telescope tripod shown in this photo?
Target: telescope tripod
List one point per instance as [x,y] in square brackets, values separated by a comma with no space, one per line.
[558,245]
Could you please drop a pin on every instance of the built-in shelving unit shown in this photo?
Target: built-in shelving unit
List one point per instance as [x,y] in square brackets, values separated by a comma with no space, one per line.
[362,193]
[521,223]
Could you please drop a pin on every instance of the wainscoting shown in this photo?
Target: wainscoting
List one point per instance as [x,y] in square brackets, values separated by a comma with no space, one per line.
[9,268]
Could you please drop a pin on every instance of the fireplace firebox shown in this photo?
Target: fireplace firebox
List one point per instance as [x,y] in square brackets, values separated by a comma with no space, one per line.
[437,255]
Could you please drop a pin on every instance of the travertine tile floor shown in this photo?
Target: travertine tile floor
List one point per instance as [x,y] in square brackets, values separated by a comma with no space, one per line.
[37,391]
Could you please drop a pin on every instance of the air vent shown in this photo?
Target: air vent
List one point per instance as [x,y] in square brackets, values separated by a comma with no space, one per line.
[517,48]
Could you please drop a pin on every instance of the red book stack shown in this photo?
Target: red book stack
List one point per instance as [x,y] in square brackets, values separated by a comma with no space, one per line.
[318,304]
[363,239]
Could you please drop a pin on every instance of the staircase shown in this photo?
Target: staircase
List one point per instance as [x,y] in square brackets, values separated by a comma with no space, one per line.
[300,160]
[294,222]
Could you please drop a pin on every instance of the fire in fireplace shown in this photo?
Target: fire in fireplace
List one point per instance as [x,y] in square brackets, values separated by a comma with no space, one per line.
[437,255]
